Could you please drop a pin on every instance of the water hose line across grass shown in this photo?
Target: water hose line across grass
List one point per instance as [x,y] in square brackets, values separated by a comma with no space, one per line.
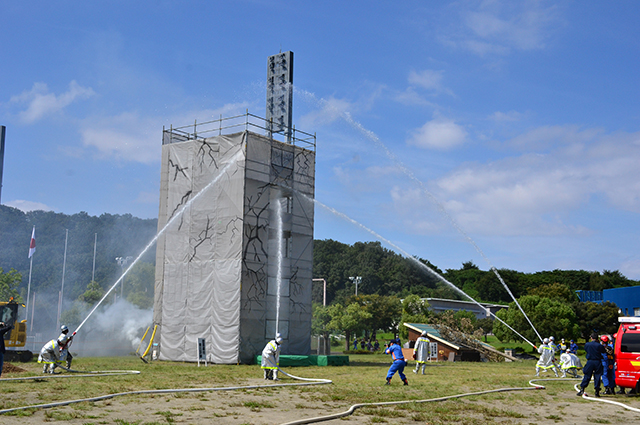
[533,386]
[310,381]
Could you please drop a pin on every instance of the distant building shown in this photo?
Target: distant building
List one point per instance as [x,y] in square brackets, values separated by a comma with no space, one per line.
[627,299]
[439,305]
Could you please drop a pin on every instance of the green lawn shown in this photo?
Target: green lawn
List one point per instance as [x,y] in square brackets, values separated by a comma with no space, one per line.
[360,382]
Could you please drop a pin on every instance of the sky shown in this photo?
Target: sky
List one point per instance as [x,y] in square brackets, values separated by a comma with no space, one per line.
[503,133]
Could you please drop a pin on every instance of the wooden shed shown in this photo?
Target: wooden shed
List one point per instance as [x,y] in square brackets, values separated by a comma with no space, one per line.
[443,350]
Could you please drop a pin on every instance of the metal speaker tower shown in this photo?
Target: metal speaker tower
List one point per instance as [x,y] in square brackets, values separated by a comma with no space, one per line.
[280,94]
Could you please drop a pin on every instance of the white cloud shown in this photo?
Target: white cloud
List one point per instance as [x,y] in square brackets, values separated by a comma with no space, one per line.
[40,102]
[552,136]
[535,194]
[132,137]
[439,134]
[27,206]
[411,97]
[427,79]
[127,137]
[497,27]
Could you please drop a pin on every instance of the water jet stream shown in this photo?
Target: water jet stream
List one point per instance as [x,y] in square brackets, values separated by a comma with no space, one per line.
[415,260]
[375,139]
[279,234]
[178,213]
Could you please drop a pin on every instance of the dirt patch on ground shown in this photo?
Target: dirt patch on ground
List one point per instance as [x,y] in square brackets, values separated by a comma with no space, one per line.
[10,368]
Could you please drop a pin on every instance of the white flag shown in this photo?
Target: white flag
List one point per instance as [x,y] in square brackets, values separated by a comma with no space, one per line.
[32,246]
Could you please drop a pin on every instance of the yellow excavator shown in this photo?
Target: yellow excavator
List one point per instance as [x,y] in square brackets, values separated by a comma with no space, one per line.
[18,336]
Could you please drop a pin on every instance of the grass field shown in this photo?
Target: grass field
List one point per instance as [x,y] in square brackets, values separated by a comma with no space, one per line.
[361,382]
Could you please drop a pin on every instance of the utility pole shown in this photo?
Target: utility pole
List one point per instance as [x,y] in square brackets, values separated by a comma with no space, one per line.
[122,262]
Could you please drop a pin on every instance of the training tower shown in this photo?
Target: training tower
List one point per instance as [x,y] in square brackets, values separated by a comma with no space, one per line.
[216,262]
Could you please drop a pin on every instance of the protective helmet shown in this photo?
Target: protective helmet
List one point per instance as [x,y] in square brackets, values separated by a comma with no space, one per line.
[397,341]
[424,333]
[551,338]
[568,350]
[278,339]
[545,341]
[604,338]
[64,329]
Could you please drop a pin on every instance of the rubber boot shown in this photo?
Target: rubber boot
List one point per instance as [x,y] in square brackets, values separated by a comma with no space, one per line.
[406,381]
[597,392]
[52,369]
[388,381]
[581,392]
[607,391]
[621,391]
[275,375]
[45,368]
[266,374]
[416,369]
[424,366]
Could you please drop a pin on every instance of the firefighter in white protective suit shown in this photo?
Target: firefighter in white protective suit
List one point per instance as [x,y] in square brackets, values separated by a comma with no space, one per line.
[49,355]
[569,363]
[547,358]
[271,358]
[421,352]
[64,341]
[56,351]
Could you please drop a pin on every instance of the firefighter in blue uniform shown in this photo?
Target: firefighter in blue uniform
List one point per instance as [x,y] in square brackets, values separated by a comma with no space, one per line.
[398,364]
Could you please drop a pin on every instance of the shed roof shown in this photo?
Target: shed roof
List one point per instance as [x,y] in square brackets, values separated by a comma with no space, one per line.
[431,332]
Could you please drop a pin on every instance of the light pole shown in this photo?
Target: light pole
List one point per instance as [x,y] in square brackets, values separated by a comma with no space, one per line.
[356,280]
[324,290]
[324,344]
[122,262]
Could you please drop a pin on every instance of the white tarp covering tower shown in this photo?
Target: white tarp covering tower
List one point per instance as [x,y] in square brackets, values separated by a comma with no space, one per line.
[216,274]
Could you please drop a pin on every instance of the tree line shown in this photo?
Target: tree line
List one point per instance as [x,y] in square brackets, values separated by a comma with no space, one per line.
[384,272]
[386,277]
[117,236]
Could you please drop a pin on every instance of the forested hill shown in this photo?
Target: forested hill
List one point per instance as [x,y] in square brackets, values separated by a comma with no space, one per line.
[384,272]
[118,236]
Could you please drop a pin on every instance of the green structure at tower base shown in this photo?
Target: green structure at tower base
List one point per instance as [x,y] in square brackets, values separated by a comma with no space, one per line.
[290,360]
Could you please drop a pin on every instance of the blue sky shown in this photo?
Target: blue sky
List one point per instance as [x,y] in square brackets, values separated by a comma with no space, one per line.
[517,121]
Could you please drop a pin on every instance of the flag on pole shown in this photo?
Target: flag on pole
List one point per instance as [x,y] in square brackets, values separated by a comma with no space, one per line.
[32,246]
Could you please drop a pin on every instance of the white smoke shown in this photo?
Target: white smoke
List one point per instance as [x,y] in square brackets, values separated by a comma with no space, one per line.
[114,330]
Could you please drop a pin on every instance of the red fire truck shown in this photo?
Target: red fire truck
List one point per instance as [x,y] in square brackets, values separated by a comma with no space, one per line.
[627,352]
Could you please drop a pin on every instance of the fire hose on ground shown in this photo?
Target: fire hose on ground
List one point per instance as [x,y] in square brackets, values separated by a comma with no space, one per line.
[308,381]
[533,386]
